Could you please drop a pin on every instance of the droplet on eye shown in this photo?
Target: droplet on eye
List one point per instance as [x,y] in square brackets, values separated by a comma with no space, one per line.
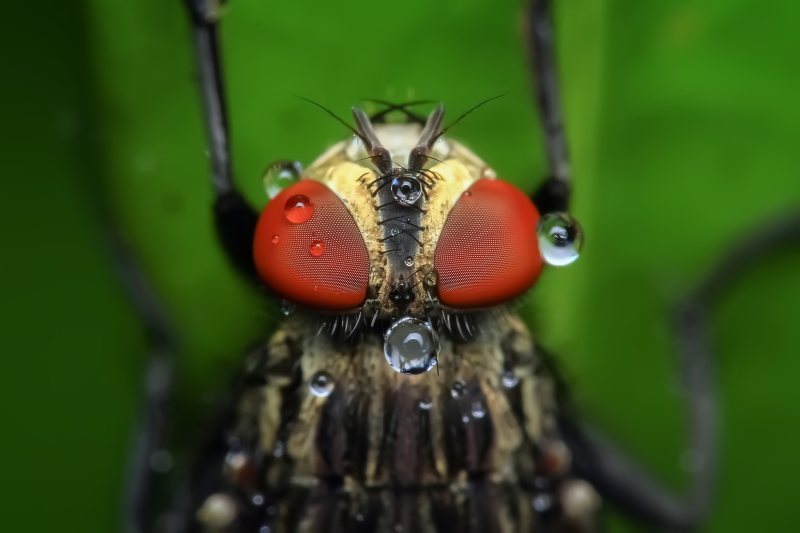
[410,346]
[560,239]
[280,175]
[406,189]
[321,384]
[276,239]
[317,248]
[298,209]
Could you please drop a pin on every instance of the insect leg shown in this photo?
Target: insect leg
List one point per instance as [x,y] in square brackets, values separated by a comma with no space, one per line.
[235,219]
[148,459]
[623,484]
[554,193]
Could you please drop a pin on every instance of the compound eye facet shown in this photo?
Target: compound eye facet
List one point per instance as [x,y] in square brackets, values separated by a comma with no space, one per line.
[487,252]
[309,249]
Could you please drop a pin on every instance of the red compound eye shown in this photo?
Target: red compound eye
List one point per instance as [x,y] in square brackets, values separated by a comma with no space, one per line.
[488,252]
[309,250]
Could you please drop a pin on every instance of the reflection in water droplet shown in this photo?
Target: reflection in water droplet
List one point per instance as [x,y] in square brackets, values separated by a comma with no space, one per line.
[478,409]
[406,189]
[425,404]
[317,248]
[457,389]
[276,239]
[280,175]
[560,238]
[298,209]
[321,384]
[410,346]
[409,261]
[509,379]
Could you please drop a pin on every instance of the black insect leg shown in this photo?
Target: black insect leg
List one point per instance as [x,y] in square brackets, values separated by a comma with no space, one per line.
[554,193]
[235,218]
[623,484]
[149,459]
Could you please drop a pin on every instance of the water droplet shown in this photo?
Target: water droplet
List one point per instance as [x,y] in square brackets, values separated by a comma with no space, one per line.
[287,307]
[265,529]
[478,409]
[359,517]
[395,231]
[409,261]
[278,449]
[321,384]
[468,193]
[410,346]
[280,175]
[316,288]
[257,499]
[542,502]
[431,278]
[425,404]
[406,189]
[161,461]
[276,239]
[298,209]
[457,389]
[317,248]
[560,238]
[509,379]
[465,419]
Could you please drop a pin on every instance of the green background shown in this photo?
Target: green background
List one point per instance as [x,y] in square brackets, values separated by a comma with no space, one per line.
[683,122]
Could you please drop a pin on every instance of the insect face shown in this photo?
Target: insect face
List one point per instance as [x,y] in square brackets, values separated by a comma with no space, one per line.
[399,249]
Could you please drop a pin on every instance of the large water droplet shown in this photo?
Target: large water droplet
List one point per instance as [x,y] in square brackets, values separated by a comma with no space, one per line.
[298,209]
[410,346]
[321,384]
[509,379]
[560,238]
[316,248]
[406,189]
[280,175]
[409,261]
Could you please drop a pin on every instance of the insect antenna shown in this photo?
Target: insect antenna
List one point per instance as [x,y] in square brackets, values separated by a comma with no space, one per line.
[380,116]
[379,155]
[467,112]
[334,115]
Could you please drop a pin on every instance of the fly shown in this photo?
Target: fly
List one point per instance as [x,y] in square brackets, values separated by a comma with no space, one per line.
[402,392]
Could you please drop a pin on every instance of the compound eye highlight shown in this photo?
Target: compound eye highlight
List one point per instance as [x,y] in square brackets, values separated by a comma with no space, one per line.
[487,252]
[309,250]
